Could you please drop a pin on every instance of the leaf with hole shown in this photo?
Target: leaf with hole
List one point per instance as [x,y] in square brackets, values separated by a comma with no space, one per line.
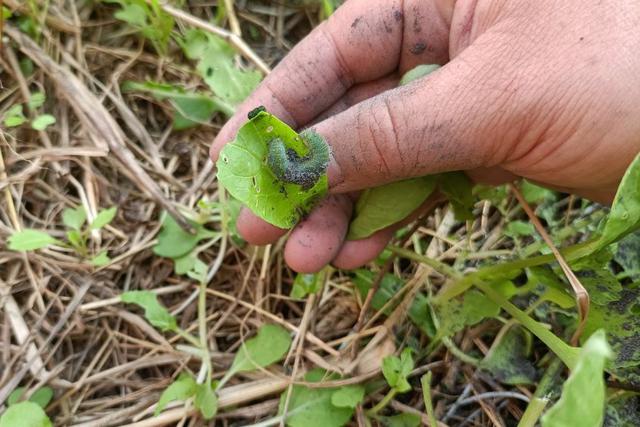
[584,392]
[243,171]
[154,312]
[30,240]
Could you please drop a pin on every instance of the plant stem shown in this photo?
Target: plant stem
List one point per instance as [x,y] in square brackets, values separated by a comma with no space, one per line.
[426,395]
[383,403]
[188,337]
[202,328]
[533,412]
[464,357]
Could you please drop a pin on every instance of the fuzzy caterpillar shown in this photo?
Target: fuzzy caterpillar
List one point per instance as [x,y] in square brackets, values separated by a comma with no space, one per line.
[289,166]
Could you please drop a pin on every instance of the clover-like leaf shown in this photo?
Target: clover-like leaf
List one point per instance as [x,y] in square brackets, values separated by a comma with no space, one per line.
[243,171]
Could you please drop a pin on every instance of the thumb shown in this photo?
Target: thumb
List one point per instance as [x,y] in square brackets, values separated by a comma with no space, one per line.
[452,119]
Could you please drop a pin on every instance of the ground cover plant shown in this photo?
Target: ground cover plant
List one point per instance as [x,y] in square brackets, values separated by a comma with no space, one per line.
[127,296]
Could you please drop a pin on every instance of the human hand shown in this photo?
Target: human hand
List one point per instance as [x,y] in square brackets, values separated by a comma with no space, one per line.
[545,90]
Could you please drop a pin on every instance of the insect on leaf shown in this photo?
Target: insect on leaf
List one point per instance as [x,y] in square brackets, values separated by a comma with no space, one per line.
[243,171]
[154,312]
[583,395]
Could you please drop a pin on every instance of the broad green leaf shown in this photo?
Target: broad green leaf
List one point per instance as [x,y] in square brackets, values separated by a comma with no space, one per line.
[380,207]
[192,108]
[582,403]
[508,360]
[185,263]
[305,284]
[268,346]
[74,218]
[43,121]
[199,271]
[25,414]
[624,217]
[174,242]
[402,420]
[14,116]
[312,407]
[243,172]
[348,396]
[101,259]
[206,401]
[29,240]
[517,229]
[154,312]
[132,14]
[103,218]
[36,100]
[458,188]
[217,67]
[182,388]
[627,255]
[16,396]
[458,313]
[396,370]
[620,318]
[42,396]
[418,72]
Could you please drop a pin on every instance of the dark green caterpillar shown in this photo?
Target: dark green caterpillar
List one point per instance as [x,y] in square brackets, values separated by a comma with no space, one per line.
[289,166]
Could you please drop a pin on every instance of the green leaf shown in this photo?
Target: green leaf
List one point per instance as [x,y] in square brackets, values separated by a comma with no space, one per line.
[397,369]
[507,360]
[185,263]
[627,255]
[25,414]
[519,228]
[458,313]
[6,13]
[75,238]
[623,410]
[243,171]
[192,108]
[305,284]
[182,388]
[199,271]
[149,19]
[154,312]
[418,72]
[534,193]
[217,67]
[103,218]
[458,188]
[100,260]
[29,240]
[174,242]
[42,396]
[582,403]
[43,121]
[36,100]
[380,207]
[402,420]
[269,345]
[348,396]
[14,116]
[16,396]
[312,407]
[206,401]
[74,218]
[624,217]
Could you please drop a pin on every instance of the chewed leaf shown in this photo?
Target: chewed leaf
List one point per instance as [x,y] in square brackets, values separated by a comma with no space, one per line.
[243,171]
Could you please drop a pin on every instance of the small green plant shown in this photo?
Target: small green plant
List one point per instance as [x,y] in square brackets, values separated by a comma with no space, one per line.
[77,235]
[27,413]
[15,115]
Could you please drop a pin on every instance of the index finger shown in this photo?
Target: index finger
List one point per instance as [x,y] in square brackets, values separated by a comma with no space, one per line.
[361,41]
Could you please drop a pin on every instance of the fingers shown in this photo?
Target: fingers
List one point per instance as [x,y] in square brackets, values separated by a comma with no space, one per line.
[361,42]
[445,121]
[317,239]
[255,230]
[356,253]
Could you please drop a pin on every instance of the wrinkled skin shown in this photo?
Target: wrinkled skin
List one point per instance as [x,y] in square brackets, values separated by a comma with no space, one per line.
[542,89]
